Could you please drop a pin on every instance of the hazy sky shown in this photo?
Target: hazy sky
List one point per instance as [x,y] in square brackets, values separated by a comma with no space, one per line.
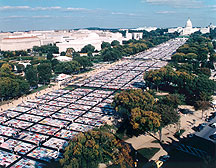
[70,14]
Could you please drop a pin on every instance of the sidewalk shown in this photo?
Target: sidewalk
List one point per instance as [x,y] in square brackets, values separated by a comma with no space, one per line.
[186,123]
[14,103]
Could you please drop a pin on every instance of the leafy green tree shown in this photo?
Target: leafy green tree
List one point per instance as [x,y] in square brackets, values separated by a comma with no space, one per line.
[205,71]
[127,100]
[88,149]
[49,56]
[44,72]
[6,68]
[83,61]
[62,53]
[67,67]
[88,48]
[167,108]
[111,54]
[105,45]
[20,68]
[31,75]
[144,121]
[75,54]
[115,43]
[23,87]
[54,62]
[46,49]
[202,105]
[9,88]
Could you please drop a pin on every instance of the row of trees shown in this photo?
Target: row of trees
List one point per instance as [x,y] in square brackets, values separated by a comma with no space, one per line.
[50,48]
[188,73]
[193,87]
[11,85]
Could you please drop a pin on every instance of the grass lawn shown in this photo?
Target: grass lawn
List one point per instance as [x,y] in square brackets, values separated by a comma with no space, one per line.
[70,88]
[148,153]
[155,141]
[39,89]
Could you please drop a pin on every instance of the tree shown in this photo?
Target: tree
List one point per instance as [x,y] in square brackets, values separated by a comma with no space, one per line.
[111,54]
[23,87]
[83,61]
[167,108]
[67,67]
[127,100]
[205,71]
[115,43]
[90,148]
[54,62]
[44,72]
[144,121]
[178,57]
[49,56]
[62,53]
[6,68]
[202,105]
[70,51]
[31,75]
[9,88]
[49,48]
[20,68]
[75,54]
[88,48]
[105,45]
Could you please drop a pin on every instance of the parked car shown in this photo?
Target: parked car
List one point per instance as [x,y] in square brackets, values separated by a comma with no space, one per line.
[213,125]
[213,114]
[213,136]
[190,135]
[209,118]
[164,158]
[200,127]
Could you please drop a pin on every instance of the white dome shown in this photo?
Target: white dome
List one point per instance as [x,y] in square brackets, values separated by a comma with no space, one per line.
[189,23]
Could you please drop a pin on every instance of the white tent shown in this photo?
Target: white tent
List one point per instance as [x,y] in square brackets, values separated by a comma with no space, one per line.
[62,77]
[63,58]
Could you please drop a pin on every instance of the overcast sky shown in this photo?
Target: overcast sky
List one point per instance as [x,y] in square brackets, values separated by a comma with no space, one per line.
[21,15]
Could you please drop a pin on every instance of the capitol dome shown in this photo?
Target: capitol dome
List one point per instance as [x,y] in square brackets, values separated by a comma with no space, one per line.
[188,24]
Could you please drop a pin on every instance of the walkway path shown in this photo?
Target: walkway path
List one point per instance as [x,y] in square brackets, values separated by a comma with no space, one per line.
[186,123]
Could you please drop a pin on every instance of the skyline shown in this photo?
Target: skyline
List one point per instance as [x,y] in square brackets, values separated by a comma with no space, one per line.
[23,15]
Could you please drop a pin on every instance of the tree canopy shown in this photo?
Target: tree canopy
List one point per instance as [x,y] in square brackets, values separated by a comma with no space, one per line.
[88,48]
[11,85]
[90,148]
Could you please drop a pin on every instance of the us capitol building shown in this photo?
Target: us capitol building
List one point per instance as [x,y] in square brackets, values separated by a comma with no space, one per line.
[188,29]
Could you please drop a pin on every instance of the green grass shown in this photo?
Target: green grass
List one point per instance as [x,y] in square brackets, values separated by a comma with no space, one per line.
[148,153]
[155,141]
[40,88]
[69,88]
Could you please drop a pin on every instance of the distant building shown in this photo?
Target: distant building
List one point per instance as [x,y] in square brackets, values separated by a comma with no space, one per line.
[19,43]
[148,29]
[78,39]
[189,29]
[137,35]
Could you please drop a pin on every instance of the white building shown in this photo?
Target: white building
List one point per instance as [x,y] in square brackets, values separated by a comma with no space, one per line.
[78,39]
[189,29]
[19,43]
